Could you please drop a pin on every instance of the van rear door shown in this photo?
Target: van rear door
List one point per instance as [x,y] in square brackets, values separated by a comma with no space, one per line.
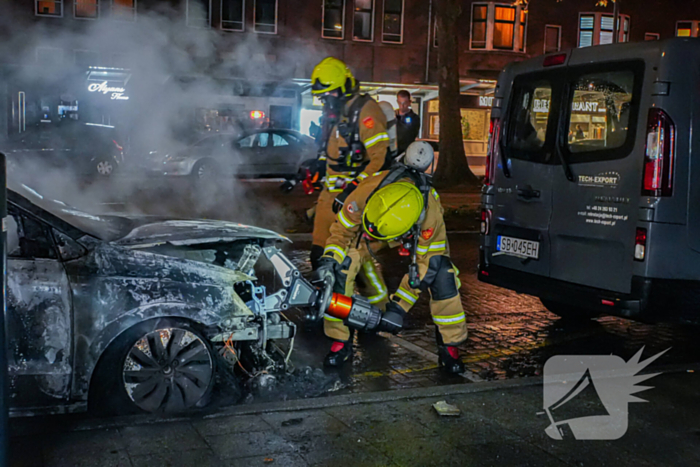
[522,200]
[595,200]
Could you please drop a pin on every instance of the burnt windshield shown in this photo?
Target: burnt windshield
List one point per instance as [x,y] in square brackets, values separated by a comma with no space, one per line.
[107,228]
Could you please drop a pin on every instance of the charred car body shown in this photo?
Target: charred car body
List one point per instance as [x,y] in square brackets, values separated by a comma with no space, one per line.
[138,310]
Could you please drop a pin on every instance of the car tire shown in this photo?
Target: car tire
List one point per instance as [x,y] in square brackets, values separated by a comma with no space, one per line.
[205,171]
[128,379]
[104,167]
[570,313]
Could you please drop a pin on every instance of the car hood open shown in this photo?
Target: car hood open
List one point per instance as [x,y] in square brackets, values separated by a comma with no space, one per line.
[192,232]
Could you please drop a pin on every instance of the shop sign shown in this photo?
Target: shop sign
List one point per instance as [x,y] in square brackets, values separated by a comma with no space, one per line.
[116,93]
[542,106]
[485,101]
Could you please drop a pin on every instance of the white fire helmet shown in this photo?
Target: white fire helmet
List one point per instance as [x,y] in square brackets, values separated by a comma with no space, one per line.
[419,155]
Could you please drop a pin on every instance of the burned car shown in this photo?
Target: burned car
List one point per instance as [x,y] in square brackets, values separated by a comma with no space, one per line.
[138,313]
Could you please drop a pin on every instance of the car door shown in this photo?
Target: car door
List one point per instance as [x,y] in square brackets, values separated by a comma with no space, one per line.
[523,175]
[245,154]
[39,320]
[594,211]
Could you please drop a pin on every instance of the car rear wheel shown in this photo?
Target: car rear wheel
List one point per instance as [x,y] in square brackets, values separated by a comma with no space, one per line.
[104,167]
[570,313]
[159,366]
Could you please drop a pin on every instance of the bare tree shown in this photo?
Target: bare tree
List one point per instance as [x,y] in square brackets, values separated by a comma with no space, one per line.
[452,168]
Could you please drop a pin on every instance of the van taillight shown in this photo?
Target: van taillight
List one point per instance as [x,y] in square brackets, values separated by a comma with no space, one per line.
[117,145]
[640,244]
[492,151]
[553,60]
[659,155]
[485,221]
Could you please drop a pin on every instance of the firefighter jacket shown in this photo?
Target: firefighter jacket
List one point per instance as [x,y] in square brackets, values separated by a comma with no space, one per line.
[372,134]
[346,233]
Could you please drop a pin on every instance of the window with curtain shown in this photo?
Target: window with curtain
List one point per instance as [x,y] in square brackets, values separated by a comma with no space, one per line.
[392,30]
[479,23]
[521,29]
[198,13]
[685,29]
[233,15]
[266,16]
[333,19]
[504,27]
[86,9]
[585,30]
[606,29]
[552,39]
[124,10]
[598,29]
[364,20]
[49,7]
[498,26]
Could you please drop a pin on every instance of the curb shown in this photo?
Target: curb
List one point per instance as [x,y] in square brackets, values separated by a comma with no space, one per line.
[319,403]
[295,405]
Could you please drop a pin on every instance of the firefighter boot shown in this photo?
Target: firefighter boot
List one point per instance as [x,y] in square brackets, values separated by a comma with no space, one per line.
[448,359]
[448,356]
[339,354]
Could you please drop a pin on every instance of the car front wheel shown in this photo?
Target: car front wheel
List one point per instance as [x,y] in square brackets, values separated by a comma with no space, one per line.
[159,366]
[104,167]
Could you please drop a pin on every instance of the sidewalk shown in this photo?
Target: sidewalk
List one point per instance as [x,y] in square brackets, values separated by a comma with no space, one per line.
[498,425]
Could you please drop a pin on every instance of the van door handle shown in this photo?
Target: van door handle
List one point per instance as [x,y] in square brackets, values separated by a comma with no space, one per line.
[528,193]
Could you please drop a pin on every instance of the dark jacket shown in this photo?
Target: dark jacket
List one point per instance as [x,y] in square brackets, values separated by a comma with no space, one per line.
[407,128]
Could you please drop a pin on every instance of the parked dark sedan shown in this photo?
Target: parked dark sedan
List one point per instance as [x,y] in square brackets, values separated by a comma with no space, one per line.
[256,153]
[130,313]
[82,149]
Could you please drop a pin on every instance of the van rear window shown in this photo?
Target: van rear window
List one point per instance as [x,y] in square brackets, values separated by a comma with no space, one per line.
[601,105]
[529,121]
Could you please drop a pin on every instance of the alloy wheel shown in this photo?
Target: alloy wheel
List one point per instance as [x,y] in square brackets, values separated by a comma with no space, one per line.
[105,168]
[168,370]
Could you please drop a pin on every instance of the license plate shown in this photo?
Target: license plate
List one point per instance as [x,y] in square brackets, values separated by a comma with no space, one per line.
[518,247]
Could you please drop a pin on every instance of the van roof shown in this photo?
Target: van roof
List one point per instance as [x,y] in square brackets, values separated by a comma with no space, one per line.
[607,53]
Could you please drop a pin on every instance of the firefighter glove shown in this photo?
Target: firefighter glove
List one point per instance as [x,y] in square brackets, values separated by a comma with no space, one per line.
[326,271]
[392,319]
[340,199]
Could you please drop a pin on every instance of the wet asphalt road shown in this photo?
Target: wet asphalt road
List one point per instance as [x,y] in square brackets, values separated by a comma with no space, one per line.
[510,335]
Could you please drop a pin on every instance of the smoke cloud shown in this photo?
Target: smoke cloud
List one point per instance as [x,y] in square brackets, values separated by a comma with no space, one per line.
[174,70]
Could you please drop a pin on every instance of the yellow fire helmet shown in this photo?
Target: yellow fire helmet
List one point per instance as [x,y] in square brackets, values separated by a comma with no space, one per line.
[332,74]
[392,211]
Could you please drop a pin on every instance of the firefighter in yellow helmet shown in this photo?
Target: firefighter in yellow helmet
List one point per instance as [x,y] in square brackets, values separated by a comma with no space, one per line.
[399,207]
[354,144]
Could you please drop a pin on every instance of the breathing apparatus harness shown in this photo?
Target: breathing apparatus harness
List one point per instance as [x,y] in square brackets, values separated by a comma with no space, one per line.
[409,240]
[351,157]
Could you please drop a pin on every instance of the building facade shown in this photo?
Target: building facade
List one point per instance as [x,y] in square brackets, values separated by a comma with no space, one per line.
[389,44]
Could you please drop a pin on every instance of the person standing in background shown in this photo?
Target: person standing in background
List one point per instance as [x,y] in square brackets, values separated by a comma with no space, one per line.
[407,121]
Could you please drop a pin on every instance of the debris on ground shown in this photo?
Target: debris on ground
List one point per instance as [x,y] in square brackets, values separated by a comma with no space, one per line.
[446,410]
[292,422]
[303,383]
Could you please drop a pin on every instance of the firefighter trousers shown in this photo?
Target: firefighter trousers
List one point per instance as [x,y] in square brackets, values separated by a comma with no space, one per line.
[441,281]
[323,219]
[357,271]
